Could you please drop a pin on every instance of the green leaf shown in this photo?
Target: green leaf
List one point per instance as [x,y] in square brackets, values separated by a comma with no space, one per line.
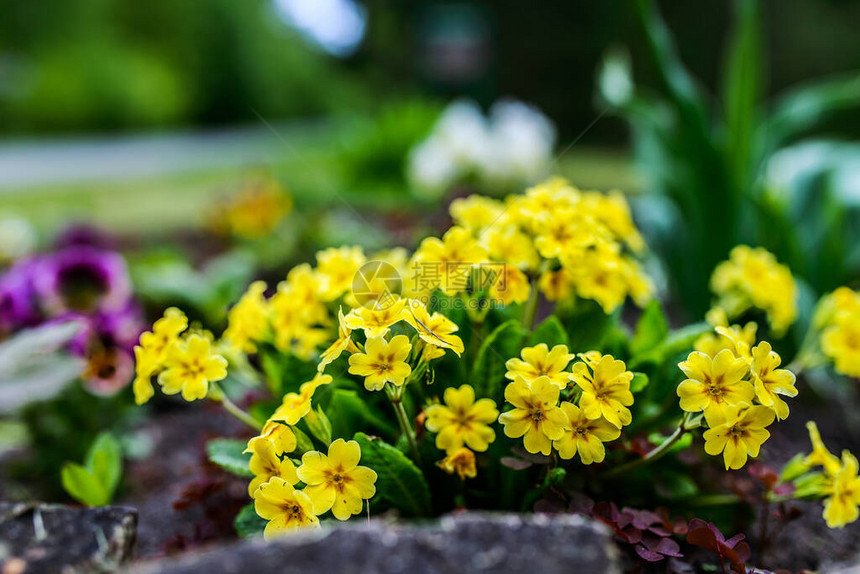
[651,329]
[805,107]
[347,411]
[303,441]
[488,374]
[399,482]
[551,332]
[681,340]
[82,485]
[319,425]
[227,453]
[639,382]
[248,523]
[104,461]
[742,88]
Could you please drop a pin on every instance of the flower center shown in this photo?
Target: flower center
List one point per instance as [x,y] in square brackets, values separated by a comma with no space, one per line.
[536,415]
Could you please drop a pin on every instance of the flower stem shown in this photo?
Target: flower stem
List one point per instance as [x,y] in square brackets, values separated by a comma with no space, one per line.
[530,308]
[395,395]
[217,395]
[686,424]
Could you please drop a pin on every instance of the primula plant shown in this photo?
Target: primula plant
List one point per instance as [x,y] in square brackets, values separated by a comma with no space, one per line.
[493,368]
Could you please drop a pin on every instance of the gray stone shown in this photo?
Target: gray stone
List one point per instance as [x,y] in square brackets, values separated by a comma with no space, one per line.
[471,542]
[53,538]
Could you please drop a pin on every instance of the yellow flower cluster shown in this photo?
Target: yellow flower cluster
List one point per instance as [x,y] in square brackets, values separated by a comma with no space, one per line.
[752,278]
[254,212]
[296,318]
[838,317]
[573,243]
[332,481]
[841,486]
[184,364]
[544,421]
[738,388]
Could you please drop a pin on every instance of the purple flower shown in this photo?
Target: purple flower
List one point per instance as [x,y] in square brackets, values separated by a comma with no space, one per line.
[18,298]
[83,234]
[83,279]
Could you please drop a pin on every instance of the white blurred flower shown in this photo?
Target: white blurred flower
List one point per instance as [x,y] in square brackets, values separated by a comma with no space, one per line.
[523,141]
[432,169]
[17,238]
[513,147]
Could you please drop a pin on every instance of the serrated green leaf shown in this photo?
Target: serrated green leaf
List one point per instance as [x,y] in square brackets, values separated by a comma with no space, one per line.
[82,485]
[399,482]
[551,332]
[228,454]
[488,374]
[248,523]
[104,461]
[651,329]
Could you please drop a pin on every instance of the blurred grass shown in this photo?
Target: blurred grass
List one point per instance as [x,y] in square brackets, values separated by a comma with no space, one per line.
[306,163]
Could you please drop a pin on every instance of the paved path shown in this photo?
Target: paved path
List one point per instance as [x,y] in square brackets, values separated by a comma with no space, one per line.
[34,163]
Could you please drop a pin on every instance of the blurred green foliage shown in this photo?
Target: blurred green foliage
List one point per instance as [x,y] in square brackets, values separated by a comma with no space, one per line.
[107,64]
[705,161]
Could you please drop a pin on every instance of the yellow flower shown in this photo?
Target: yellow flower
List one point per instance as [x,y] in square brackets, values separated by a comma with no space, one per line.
[585,436]
[754,278]
[840,508]
[475,212]
[335,481]
[376,320]
[613,211]
[820,456]
[739,340]
[540,361]
[605,385]
[382,362]
[511,286]
[278,434]
[462,420]
[297,314]
[737,432]
[341,344]
[460,461]
[554,194]
[190,366]
[509,245]
[536,415]
[248,320]
[446,263]
[436,330]
[841,342]
[770,381]
[556,285]
[150,354]
[283,506]
[265,464]
[295,406]
[713,384]
[564,232]
[600,274]
[337,267]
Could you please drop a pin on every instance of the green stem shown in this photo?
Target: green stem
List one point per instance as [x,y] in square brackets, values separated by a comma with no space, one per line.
[530,308]
[686,424]
[395,395]
[217,395]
